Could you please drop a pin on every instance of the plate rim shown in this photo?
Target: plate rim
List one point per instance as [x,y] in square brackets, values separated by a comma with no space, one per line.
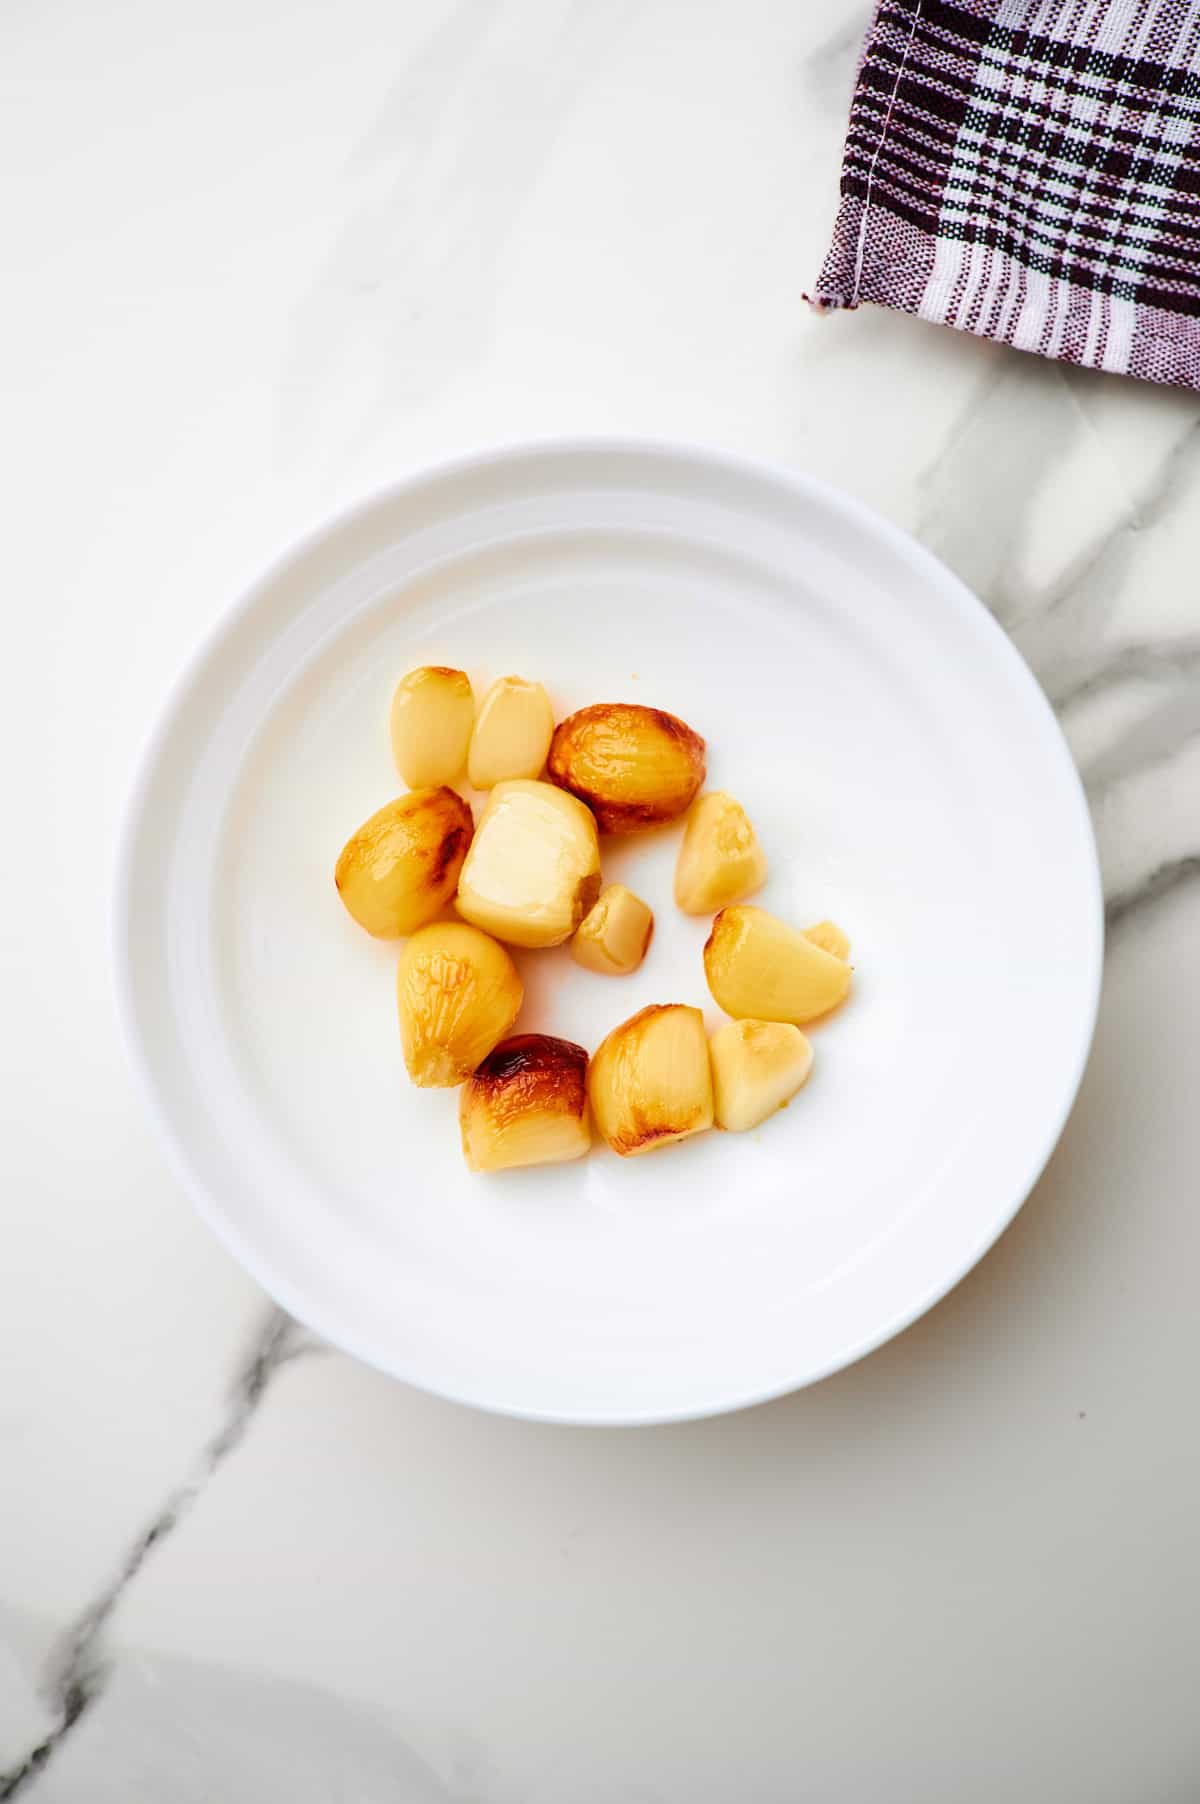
[863,519]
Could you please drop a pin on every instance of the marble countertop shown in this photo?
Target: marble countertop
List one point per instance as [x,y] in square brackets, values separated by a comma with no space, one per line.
[258,261]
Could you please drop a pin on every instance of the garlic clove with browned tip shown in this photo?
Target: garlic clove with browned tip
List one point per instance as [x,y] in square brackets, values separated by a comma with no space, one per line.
[526,1105]
[402,866]
[649,1080]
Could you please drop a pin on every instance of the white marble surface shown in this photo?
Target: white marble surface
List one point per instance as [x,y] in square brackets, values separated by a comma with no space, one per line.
[256,261]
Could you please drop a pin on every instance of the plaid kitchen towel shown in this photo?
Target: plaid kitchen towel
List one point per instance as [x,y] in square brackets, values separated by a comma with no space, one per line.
[1030,170]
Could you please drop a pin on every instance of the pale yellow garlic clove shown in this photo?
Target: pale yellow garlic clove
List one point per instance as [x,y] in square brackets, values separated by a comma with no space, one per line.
[635,767]
[757,1068]
[458,994]
[512,734]
[533,870]
[720,860]
[649,1082]
[526,1105]
[759,968]
[433,711]
[830,938]
[613,937]
[402,866]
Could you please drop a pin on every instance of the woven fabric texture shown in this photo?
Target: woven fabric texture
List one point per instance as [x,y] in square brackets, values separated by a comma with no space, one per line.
[1029,170]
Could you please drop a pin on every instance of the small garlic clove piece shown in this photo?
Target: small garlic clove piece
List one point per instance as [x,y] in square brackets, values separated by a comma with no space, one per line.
[613,936]
[458,994]
[757,1068]
[533,870]
[433,711]
[759,968]
[635,767]
[649,1081]
[402,866]
[512,734]
[526,1105]
[720,860]
[830,938]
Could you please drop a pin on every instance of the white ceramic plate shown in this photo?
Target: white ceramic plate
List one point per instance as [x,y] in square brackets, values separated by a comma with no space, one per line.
[906,777]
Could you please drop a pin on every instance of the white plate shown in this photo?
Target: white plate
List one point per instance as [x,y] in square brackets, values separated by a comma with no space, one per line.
[907,778]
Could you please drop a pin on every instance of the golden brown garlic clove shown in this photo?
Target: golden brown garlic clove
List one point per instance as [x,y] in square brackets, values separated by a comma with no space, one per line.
[649,1080]
[526,1105]
[759,968]
[403,865]
[635,767]
[458,994]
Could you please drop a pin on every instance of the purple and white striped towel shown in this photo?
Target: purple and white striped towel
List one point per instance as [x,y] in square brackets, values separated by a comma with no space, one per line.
[1029,170]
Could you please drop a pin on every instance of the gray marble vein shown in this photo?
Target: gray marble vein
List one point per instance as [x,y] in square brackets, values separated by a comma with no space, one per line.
[181,1731]
[77,1676]
[1164,880]
[1085,597]
[1128,697]
[1154,661]
[976,497]
[1168,724]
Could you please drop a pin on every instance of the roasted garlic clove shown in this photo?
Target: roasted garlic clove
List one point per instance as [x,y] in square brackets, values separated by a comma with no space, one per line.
[403,865]
[757,1068]
[433,711]
[613,937]
[526,1105]
[720,860]
[759,968]
[533,870]
[458,994]
[830,938]
[649,1081]
[512,734]
[635,767]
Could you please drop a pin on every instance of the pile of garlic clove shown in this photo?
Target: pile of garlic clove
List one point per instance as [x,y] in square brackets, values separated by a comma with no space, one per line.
[529,875]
